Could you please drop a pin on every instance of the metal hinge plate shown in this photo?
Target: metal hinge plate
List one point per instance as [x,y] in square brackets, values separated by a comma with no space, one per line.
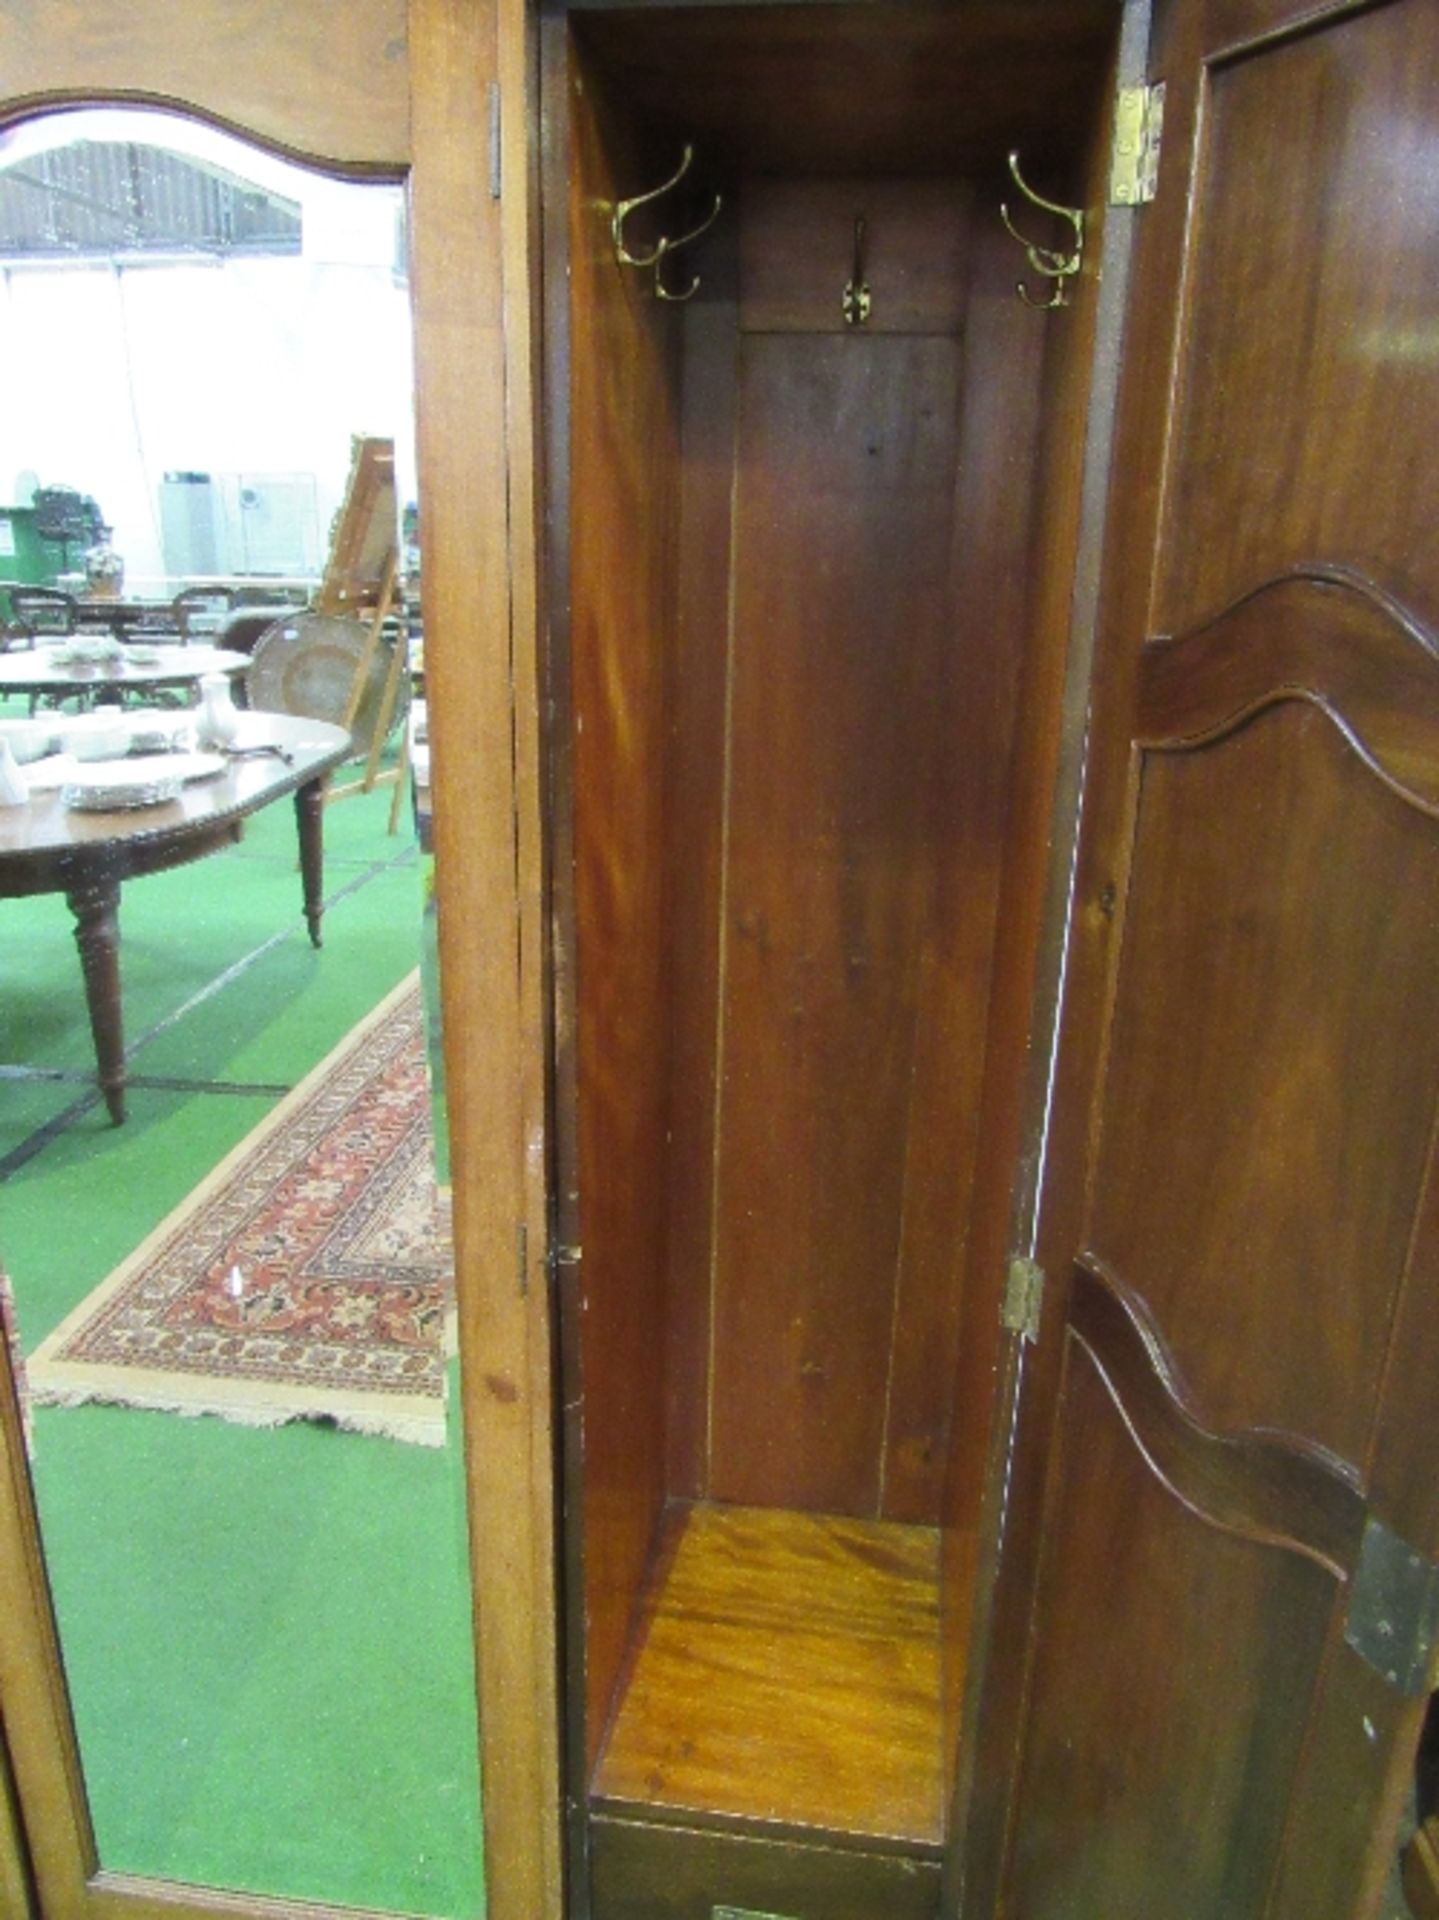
[1134,163]
[496,140]
[1393,1618]
[1023,1298]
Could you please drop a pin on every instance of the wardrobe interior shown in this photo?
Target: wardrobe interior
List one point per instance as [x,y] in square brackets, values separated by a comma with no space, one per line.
[810,572]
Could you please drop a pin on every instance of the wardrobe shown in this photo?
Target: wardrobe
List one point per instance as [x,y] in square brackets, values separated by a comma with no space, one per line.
[936,652]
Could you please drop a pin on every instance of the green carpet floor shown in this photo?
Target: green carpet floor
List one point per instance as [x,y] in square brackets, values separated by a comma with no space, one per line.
[266,1632]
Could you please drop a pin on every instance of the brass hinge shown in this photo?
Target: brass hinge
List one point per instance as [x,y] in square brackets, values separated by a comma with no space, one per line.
[1134,163]
[1023,1298]
[1393,1620]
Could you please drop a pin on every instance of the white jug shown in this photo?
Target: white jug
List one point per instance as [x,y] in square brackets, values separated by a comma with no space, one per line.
[216,722]
[14,788]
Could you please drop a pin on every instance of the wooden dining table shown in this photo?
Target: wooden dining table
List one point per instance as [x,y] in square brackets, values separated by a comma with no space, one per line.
[47,846]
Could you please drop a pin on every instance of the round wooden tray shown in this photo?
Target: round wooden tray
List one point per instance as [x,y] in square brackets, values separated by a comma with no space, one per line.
[306,664]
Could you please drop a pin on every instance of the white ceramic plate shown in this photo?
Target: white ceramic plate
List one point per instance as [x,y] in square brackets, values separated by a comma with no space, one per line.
[153,730]
[108,786]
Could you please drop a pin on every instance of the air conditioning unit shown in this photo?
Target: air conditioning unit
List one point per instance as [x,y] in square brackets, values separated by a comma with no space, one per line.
[191,536]
[239,524]
[271,523]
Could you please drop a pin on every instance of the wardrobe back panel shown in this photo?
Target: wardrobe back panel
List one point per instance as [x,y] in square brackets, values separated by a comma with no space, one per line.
[845,463]
[695,819]
[855,523]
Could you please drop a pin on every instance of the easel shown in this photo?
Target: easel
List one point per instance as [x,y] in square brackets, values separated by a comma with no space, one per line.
[361,575]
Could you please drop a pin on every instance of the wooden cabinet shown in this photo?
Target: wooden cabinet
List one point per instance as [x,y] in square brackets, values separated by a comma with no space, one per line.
[798,568]
[838,611]
[940,895]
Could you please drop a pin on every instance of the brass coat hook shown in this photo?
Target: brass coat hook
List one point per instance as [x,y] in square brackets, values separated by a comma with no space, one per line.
[1054,264]
[667,247]
[855,301]
[654,257]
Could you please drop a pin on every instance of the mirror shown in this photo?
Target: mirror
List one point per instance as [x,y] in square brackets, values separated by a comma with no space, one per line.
[234,1306]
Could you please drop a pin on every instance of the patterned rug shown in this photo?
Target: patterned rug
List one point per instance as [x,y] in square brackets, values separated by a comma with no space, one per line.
[307,1279]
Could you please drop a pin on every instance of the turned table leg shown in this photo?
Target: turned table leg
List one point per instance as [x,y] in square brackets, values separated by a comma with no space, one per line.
[309,818]
[96,907]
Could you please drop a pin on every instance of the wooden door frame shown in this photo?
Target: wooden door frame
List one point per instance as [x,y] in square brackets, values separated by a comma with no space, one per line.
[410,88]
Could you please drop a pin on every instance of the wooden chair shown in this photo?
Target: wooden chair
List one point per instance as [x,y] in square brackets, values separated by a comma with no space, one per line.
[200,612]
[43,612]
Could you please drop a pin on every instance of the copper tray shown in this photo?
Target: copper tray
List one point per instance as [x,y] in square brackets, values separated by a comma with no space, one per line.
[306,665]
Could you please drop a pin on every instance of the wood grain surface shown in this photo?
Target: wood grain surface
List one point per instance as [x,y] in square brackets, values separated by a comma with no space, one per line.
[321,82]
[832,748]
[1421,1872]
[1243,1108]
[938,1368]
[623,533]
[788,1675]
[1142,1718]
[695,776]
[16,1886]
[1326,364]
[1043,782]
[644,1872]
[902,89]
[1264,1129]
[472,265]
[797,254]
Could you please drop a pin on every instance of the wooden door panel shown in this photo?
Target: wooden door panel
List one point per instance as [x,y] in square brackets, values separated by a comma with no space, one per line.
[1263,1125]
[1154,1789]
[1235,1384]
[1311,319]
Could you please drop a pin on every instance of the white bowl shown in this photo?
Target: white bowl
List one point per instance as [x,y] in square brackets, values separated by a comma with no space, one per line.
[32,738]
[96,736]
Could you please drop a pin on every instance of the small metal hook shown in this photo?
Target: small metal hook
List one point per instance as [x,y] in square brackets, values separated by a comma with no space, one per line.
[1049,261]
[656,255]
[668,246]
[625,208]
[663,292]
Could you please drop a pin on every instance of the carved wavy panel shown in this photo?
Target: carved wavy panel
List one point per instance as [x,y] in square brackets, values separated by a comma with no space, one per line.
[1321,635]
[1147,1770]
[1258,1145]
[1262,1486]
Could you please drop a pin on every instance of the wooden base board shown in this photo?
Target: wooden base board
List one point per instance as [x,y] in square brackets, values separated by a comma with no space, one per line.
[643,1872]
[787,1674]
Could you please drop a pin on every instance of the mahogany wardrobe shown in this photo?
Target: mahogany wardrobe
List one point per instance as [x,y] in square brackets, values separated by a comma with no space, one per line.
[936,685]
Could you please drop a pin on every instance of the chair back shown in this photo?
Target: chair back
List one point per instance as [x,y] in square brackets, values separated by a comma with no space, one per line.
[42,612]
[200,612]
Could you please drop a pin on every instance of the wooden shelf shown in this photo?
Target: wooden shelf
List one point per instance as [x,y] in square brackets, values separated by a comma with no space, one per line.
[787,1673]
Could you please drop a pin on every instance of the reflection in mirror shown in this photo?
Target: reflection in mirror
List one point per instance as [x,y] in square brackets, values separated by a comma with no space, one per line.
[230,1263]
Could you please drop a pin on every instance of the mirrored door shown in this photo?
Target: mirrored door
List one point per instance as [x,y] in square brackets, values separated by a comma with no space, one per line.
[234,1309]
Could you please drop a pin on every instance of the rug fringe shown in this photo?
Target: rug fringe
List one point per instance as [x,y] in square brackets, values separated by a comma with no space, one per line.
[415,1430]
